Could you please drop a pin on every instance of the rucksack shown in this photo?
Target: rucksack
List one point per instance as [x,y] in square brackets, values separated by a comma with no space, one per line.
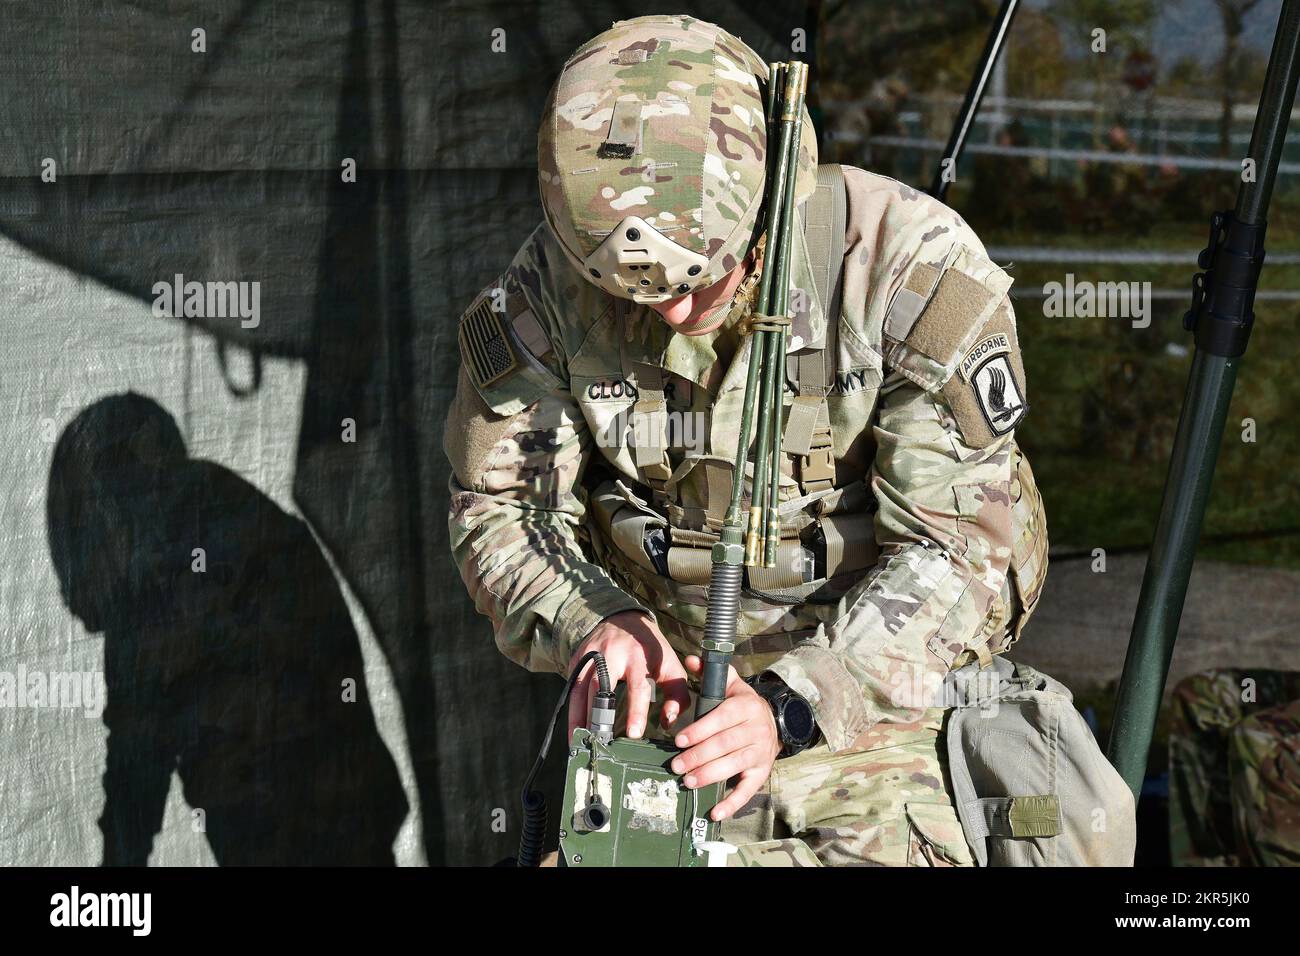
[1031,785]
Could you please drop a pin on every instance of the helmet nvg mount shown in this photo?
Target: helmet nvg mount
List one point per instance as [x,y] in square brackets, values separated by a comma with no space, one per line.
[652,157]
[639,261]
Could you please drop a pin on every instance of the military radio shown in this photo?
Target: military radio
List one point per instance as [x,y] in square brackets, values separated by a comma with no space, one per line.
[623,805]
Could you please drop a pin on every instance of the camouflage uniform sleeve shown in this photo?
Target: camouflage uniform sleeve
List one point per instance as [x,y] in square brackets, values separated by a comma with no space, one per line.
[518,446]
[942,478]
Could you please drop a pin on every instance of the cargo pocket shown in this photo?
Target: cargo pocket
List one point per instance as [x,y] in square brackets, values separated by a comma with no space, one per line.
[623,522]
[935,836]
[774,853]
[1029,553]
[974,502]
[969,500]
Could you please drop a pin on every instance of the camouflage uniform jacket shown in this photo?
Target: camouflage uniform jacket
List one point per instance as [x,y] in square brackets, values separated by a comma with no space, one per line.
[551,500]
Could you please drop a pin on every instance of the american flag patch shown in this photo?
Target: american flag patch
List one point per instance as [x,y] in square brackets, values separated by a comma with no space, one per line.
[483,345]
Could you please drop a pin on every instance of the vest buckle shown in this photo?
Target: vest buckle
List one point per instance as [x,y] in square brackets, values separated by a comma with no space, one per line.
[817,468]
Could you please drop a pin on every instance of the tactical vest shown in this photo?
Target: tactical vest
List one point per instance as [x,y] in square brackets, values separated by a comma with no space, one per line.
[655,534]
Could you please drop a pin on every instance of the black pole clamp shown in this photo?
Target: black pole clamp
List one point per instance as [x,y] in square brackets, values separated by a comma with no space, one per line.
[1223,296]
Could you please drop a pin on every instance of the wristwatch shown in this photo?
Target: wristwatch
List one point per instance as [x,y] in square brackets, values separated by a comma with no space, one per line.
[795,723]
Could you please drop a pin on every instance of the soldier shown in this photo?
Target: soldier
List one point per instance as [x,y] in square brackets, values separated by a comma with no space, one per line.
[594,431]
[1234,769]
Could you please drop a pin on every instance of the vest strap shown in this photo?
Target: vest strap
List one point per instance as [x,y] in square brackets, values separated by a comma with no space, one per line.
[807,437]
[648,419]
[650,426]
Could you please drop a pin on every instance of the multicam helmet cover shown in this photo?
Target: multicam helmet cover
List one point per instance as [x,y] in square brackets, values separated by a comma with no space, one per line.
[652,156]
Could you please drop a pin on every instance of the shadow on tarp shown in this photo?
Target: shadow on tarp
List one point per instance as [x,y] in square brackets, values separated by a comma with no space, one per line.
[230,658]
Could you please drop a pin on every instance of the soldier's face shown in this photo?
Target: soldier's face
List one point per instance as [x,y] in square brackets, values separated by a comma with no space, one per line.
[698,313]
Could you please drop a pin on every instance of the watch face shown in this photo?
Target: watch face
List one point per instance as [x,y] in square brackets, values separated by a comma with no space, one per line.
[798,721]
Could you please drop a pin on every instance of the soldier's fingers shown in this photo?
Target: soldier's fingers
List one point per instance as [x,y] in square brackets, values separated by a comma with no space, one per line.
[660,659]
[677,698]
[638,696]
[725,767]
[718,745]
[750,782]
[734,681]
[670,677]
[732,711]
[668,668]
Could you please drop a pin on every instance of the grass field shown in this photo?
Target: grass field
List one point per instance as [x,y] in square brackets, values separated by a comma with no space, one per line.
[1105,399]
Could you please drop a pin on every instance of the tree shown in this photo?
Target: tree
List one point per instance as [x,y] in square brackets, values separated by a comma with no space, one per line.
[1233,14]
[1126,23]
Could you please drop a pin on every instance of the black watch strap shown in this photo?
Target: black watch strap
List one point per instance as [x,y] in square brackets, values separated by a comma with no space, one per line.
[795,724]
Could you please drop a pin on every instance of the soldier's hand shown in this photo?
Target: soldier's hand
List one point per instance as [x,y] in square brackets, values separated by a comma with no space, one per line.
[738,737]
[634,650]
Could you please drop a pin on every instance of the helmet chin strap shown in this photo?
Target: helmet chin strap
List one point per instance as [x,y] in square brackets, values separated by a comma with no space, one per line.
[638,262]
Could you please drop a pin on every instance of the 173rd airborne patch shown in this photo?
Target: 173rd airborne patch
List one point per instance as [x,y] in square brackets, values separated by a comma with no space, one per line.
[987,368]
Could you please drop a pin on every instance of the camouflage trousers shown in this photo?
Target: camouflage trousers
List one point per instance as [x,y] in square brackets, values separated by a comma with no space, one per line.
[883,802]
[871,805]
[1234,769]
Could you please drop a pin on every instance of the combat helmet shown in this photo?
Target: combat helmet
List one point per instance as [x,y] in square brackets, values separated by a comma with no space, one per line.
[652,156]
